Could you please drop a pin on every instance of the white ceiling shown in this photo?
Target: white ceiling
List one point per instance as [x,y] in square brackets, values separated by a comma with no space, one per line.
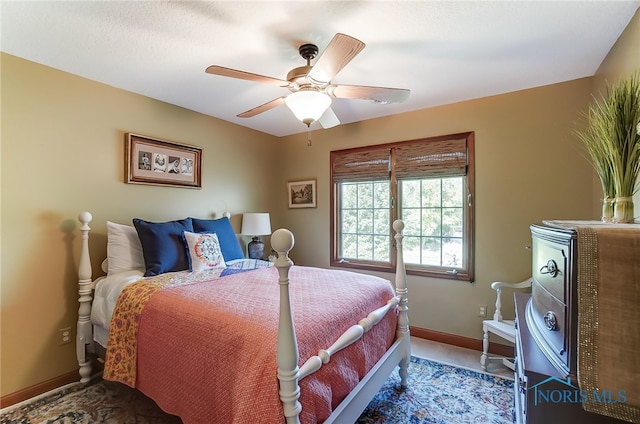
[443,51]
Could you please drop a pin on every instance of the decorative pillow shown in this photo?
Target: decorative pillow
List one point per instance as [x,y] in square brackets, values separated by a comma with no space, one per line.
[222,227]
[124,251]
[163,246]
[204,251]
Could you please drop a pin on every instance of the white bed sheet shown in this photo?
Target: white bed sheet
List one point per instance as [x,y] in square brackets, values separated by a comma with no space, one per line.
[104,301]
[100,335]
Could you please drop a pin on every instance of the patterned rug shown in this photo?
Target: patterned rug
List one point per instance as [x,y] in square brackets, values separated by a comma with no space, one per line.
[437,393]
[442,394]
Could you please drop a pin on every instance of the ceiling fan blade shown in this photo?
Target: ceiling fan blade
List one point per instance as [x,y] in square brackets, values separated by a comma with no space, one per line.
[338,53]
[248,76]
[377,94]
[263,108]
[329,119]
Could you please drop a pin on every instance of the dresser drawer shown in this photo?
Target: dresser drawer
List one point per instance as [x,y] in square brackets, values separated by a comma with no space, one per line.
[550,266]
[549,324]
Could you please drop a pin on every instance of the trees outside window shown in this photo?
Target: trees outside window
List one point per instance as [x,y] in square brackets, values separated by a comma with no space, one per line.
[427,183]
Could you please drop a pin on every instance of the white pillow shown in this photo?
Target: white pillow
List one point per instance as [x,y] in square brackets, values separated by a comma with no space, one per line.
[124,251]
[204,251]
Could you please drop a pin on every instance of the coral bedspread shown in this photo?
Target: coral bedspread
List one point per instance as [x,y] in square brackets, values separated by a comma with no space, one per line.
[206,350]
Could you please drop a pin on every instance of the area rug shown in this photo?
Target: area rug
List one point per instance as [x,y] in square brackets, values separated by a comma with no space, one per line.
[437,393]
[443,394]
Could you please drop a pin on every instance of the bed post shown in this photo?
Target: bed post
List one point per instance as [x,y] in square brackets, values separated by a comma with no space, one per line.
[85,285]
[288,373]
[403,307]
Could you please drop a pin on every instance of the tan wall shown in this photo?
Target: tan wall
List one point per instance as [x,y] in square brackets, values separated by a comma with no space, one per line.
[62,153]
[621,62]
[528,168]
[623,58]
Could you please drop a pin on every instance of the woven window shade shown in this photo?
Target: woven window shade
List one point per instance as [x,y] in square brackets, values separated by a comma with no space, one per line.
[361,165]
[438,158]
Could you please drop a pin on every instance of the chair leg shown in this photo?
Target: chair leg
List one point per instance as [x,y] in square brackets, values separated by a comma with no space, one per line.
[485,351]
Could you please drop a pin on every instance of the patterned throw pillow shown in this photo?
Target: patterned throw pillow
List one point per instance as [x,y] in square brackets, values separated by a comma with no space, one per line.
[204,251]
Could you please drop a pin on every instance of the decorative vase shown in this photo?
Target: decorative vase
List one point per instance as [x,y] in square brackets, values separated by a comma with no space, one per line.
[623,210]
[608,209]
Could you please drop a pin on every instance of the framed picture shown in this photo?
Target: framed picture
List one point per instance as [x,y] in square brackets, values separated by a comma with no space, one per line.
[302,194]
[161,162]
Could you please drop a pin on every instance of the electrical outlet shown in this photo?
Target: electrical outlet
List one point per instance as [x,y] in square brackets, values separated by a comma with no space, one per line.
[64,335]
[482,311]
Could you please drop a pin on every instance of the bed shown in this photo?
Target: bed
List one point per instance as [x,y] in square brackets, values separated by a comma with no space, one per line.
[235,340]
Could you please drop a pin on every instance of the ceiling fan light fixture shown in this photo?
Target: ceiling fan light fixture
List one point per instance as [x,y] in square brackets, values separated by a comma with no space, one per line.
[308,105]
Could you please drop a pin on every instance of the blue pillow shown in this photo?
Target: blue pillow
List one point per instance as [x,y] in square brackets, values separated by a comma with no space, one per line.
[222,227]
[163,246]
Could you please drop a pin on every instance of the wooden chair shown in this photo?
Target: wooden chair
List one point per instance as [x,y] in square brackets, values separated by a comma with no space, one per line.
[498,326]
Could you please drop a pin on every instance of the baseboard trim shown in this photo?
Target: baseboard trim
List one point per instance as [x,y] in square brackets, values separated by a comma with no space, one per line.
[38,389]
[461,341]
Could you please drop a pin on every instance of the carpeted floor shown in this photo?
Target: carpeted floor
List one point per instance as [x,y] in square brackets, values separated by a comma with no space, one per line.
[437,393]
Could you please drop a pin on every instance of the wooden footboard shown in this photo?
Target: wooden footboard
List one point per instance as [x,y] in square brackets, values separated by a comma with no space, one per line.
[289,374]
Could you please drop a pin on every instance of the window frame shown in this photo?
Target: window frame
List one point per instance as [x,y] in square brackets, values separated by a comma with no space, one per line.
[466,272]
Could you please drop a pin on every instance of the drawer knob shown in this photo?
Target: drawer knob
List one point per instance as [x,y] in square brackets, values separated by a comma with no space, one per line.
[550,321]
[550,268]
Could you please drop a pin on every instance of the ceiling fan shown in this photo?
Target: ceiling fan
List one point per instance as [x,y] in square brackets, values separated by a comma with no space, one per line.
[311,87]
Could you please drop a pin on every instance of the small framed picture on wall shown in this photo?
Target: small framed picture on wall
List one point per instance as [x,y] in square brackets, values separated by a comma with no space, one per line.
[302,194]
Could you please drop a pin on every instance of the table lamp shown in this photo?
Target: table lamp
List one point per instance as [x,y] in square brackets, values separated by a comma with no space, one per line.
[255,225]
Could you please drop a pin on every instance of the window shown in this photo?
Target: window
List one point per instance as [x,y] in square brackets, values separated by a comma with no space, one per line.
[427,183]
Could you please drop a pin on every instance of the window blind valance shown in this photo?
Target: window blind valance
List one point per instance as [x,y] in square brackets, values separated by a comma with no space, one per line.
[428,158]
[360,165]
[437,158]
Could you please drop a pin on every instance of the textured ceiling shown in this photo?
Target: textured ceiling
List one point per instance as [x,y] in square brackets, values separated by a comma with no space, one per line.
[443,51]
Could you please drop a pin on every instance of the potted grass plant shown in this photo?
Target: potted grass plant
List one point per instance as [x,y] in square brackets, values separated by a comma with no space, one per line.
[591,137]
[612,139]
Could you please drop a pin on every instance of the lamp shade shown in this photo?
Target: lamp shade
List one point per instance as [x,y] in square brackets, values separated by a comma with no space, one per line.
[256,224]
[308,105]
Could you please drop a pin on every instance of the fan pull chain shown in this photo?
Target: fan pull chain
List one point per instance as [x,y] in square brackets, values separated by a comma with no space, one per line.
[308,135]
